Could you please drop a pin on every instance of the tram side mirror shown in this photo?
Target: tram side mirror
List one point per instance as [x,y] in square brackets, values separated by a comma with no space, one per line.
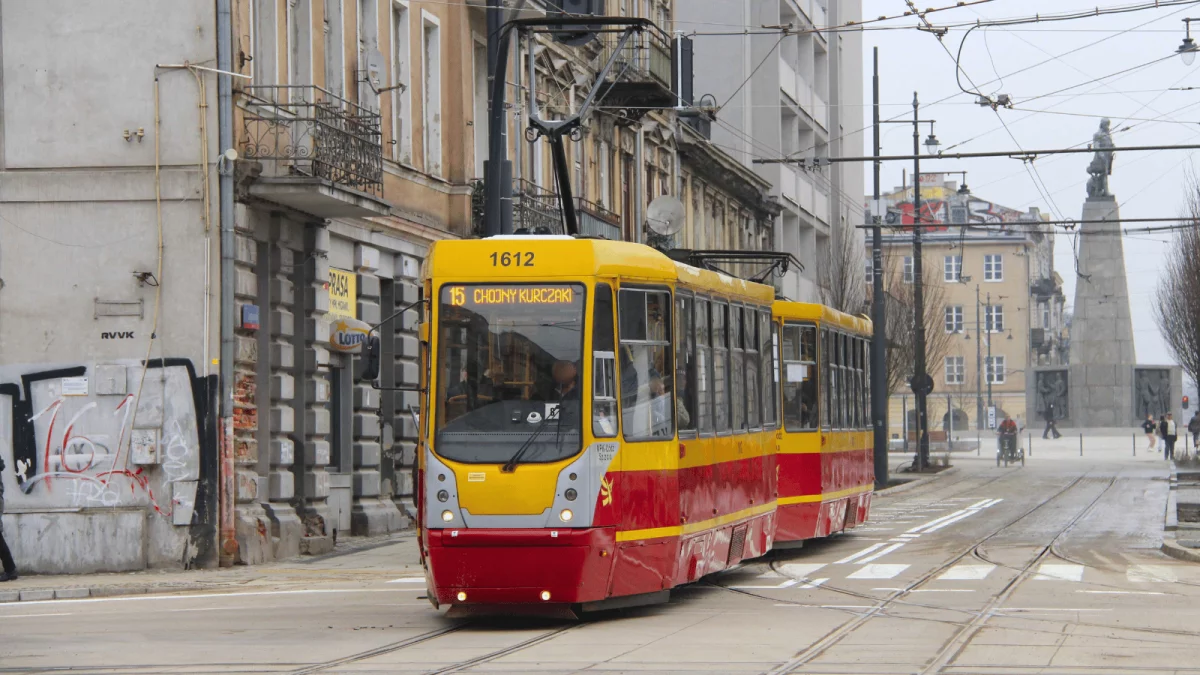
[370,367]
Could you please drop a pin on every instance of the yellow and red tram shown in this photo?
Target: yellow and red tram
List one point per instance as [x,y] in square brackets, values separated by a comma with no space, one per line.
[602,423]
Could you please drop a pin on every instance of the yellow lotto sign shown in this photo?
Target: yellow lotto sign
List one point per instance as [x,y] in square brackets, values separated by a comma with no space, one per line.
[343,293]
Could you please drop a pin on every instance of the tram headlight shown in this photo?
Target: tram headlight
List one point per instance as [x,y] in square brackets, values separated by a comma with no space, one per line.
[447,516]
[462,597]
[443,496]
[545,595]
[570,494]
[566,515]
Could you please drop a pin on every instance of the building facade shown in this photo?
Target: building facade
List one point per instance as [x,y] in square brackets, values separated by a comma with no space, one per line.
[171,395]
[995,301]
[797,92]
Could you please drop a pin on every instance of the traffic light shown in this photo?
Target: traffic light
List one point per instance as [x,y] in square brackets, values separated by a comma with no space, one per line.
[1185,403]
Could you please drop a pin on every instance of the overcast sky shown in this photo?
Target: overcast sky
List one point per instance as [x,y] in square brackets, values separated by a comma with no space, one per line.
[1146,184]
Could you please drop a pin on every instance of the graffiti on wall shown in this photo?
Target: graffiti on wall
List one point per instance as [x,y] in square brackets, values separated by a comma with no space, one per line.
[112,435]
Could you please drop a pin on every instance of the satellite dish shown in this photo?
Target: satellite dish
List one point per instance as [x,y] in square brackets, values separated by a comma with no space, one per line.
[665,216]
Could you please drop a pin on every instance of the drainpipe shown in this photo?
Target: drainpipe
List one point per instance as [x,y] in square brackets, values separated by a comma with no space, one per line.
[228,541]
[639,185]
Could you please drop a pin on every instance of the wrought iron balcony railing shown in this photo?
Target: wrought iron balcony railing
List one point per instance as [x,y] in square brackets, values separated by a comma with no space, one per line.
[646,56]
[304,130]
[537,209]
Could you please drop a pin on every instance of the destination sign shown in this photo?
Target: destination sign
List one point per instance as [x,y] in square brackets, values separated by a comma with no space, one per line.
[460,296]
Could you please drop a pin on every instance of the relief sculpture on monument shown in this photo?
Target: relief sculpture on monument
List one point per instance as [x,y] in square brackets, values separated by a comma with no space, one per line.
[1052,390]
[1152,387]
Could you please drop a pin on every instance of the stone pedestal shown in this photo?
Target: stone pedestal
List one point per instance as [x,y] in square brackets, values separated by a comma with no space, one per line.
[1102,352]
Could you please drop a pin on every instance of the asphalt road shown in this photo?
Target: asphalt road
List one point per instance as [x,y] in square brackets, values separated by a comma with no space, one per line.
[1052,568]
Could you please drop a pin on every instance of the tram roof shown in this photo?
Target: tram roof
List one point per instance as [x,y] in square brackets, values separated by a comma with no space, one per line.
[567,257]
[807,311]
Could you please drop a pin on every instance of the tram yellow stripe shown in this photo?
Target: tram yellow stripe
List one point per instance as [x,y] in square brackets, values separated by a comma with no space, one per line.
[827,496]
[691,528]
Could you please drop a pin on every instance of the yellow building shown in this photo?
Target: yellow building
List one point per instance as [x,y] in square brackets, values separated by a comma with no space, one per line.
[994,304]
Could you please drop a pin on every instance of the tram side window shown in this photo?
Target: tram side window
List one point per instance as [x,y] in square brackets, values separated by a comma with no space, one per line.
[647,365]
[720,342]
[737,359]
[770,334]
[868,422]
[800,378]
[685,364]
[604,366]
[860,368]
[704,370]
[753,418]
[843,382]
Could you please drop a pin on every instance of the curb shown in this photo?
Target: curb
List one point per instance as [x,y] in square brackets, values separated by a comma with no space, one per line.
[912,484]
[1173,549]
[81,592]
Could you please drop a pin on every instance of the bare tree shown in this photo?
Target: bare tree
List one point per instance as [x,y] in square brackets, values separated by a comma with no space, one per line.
[1177,306]
[900,328]
[840,273]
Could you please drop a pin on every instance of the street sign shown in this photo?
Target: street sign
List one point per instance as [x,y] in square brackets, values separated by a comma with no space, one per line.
[991,417]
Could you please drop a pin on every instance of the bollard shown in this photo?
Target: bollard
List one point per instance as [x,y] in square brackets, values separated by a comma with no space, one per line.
[1081,445]
[1030,444]
[1134,435]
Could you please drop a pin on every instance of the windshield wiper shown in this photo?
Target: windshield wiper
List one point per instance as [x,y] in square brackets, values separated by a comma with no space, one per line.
[511,464]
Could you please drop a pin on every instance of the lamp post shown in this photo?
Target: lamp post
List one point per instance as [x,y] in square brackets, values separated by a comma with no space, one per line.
[1187,50]
[922,383]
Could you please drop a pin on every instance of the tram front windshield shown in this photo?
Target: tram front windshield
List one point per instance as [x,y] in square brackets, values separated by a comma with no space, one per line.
[509,372]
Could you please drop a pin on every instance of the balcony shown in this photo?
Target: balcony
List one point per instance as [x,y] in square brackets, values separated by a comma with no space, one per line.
[318,153]
[642,74]
[597,221]
[787,80]
[537,210]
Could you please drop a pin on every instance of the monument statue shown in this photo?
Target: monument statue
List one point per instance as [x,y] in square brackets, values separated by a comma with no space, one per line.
[1153,392]
[1101,165]
[1052,389]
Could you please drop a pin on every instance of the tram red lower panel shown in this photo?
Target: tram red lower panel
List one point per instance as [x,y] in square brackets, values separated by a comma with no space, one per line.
[517,565]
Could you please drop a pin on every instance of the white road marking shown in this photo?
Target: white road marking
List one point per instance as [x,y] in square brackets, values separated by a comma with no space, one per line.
[866,551]
[1053,609]
[1151,574]
[879,571]
[27,616]
[800,570]
[979,504]
[1056,572]
[786,584]
[936,521]
[1122,592]
[967,572]
[880,554]
[408,580]
[943,590]
[813,584]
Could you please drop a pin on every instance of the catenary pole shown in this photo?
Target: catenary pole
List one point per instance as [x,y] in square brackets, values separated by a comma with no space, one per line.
[879,392]
[922,403]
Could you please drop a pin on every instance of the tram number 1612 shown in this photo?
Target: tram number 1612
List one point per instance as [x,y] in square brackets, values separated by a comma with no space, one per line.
[514,259]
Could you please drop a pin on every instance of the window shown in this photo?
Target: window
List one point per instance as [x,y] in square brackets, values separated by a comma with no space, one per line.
[720,349]
[860,383]
[769,369]
[402,96]
[868,420]
[825,379]
[432,100]
[800,382]
[993,318]
[1045,306]
[602,159]
[737,361]
[750,326]
[299,35]
[335,48]
[995,369]
[263,41]
[647,405]
[368,42]
[704,369]
[955,370]
[954,318]
[908,269]
[952,268]
[993,267]
[604,371]
[685,363]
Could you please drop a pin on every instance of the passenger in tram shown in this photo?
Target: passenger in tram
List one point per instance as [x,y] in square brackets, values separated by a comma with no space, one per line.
[566,381]
[660,407]
[681,411]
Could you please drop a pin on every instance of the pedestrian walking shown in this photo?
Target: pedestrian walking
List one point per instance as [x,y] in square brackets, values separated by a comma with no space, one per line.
[1150,427]
[1051,426]
[1170,434]
[6,559]
[1162,434]
[1194,429]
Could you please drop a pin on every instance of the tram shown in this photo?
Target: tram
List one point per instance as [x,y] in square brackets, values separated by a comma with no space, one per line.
[601,423]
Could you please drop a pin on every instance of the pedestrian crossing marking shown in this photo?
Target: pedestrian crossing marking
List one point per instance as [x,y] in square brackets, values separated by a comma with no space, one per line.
[966,572]
[866,551]
[800,570]
[878,571]
[1151,574]
[1055,572]
[880,554]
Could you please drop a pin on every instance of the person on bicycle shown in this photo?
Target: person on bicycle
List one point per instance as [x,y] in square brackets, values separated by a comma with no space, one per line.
[1008,434]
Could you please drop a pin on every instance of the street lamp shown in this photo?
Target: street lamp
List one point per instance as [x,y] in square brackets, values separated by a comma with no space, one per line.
[1187,50]
[932,143]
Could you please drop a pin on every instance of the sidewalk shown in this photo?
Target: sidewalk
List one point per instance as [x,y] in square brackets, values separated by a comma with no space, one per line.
[359,559]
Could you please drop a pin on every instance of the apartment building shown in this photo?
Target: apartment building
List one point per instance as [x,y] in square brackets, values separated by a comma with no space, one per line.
[795,90]
[173,396]
[996,303]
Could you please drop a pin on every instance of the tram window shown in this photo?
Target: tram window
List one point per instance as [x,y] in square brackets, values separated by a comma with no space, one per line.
[685,364]
[800,382]
[647,365]
[720,340]
[753,391]
[860,368]
[771,364]
[825,380]
[868,421]
[736,369]
[604,366]
[704,379]
[841,381]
